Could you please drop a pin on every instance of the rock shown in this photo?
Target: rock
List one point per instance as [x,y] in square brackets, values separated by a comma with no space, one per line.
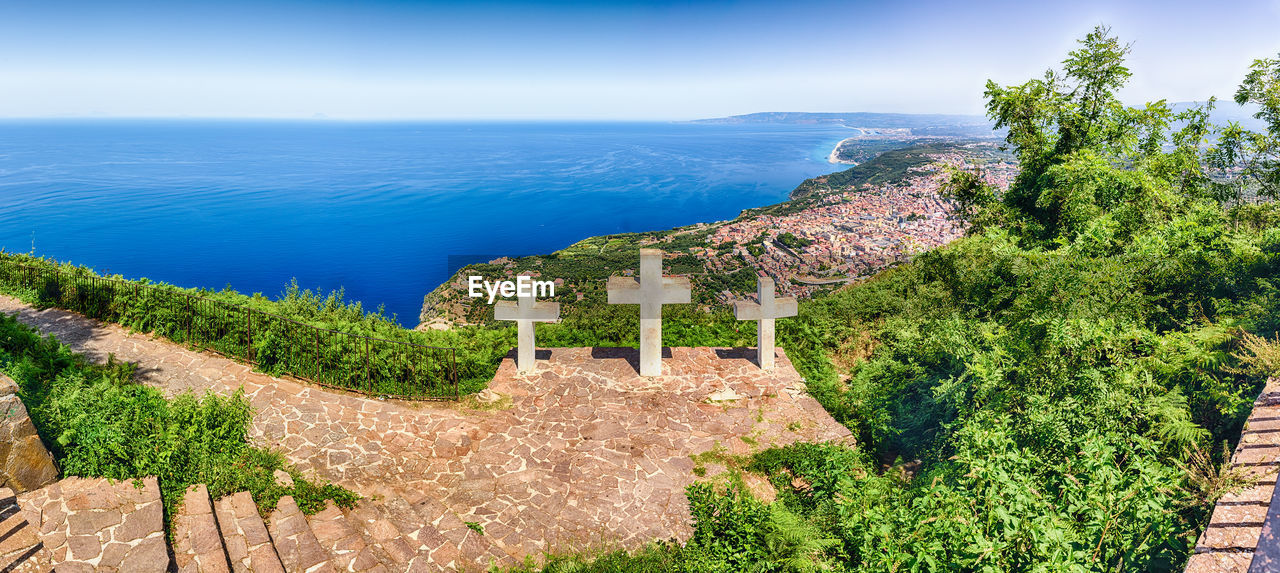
[488,396]
[760,487]
[725,394]
[284,479]
[25,464]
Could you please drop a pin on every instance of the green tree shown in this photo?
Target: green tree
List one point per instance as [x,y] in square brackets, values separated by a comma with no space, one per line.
[1078,146]
[1258,153]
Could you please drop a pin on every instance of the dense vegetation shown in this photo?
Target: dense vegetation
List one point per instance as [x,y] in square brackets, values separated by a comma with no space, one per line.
[272,336]
[585,267]
[99,422]
[862,149]
[793,241]
[1056,391]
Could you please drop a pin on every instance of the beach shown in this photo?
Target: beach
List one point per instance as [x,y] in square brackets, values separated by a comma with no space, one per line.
[835,151]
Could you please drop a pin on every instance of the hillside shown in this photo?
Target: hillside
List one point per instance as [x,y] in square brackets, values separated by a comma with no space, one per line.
[859,119]
[1055,383]
[853,223]
[1057,390]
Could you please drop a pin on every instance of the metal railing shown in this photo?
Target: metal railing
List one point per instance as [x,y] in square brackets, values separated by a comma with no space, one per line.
[276,344]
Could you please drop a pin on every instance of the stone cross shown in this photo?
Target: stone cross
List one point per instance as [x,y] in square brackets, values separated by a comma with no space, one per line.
[526,310]
[763,313]
[651,291]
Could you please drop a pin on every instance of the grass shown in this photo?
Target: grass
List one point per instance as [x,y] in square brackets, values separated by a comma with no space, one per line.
[98,421]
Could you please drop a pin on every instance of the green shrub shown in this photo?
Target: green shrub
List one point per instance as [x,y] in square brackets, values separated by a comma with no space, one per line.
[98,422]
[348,348]
[1060,389]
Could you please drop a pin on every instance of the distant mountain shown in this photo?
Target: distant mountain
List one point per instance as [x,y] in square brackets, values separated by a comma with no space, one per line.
[955,125]
[858,119]
[1227,111]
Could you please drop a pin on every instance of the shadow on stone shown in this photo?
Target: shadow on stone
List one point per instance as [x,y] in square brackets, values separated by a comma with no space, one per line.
[748,354]
[631,355]
[541,354]
[145,373]
[1266,558]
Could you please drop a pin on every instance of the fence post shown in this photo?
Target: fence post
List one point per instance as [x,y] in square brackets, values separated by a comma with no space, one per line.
[191,318]
[453,372]
[248,346]
[316,360]
[368,373]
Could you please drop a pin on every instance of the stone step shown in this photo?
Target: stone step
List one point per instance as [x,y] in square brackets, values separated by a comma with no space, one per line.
[296,544]
[197,542]
[434,547]
[394,540]
[348,550]
[404,536]
[473,549]
[20,548]
[245,536]
[93,524]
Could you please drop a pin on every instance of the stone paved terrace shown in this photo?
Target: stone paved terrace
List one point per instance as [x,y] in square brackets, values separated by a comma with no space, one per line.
[94,524]
[582,453]
[1241,536]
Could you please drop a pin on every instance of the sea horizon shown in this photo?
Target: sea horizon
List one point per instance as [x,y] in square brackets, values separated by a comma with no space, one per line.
[371,207]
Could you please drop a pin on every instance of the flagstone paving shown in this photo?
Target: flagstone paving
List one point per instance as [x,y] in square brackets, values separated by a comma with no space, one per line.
[581,453]
[1243,531]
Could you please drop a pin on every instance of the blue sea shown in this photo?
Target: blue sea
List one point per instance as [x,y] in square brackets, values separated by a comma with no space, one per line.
[375,208]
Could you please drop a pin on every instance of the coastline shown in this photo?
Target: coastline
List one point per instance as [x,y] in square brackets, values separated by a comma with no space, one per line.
[736,250]
[834,159]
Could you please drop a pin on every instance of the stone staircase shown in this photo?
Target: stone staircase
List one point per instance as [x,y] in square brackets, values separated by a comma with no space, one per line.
[20,546]
[81,524]
[94,524]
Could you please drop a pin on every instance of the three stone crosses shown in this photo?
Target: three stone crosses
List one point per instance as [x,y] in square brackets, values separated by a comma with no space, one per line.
[651,290]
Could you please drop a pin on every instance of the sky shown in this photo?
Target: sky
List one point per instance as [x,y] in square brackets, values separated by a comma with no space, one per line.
[381,60]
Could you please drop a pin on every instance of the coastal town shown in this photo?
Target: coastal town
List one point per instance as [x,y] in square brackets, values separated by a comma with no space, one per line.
[835,235]
[850,234]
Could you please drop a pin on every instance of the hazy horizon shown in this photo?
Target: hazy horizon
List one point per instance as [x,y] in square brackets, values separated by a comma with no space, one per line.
[572,61]
[322,118]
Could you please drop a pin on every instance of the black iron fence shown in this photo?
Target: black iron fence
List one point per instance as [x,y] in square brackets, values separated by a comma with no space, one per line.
[275,344]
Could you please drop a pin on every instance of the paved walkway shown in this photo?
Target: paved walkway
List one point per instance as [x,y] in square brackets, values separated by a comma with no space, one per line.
[586,454]
[1241,536]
